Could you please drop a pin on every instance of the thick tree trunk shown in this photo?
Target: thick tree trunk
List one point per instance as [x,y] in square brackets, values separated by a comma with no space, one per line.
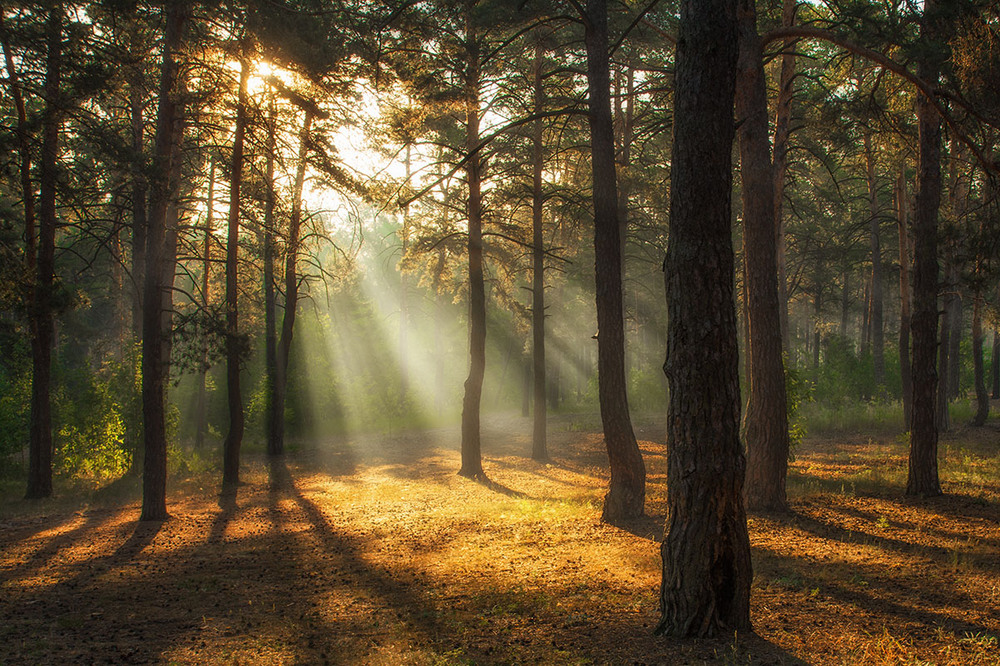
[877,329]
[472,460]
[42,323]
[234,438]
[706,549]
[782,133]
[539,450]
[276,444]
[201,407]
[922,476]
[905,372]
[155,373]
[627,492]
[765,425]
[982,397]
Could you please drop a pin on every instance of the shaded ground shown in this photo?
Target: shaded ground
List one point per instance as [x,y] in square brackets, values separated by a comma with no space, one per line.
[375,551]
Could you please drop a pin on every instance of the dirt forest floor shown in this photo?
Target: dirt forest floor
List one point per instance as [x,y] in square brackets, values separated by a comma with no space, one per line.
[373,551]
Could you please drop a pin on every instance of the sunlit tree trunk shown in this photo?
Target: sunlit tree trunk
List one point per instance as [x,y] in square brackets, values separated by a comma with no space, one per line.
[627,492]
[234,438]
[765,425]
[905,372]
[41,320]
[706,550]
[155,373]
[922,476]
[270,296]
[875,322]
[539,450]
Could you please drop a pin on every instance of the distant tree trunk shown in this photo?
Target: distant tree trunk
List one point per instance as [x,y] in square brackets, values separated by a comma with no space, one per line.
[995,362]
[155,340]
[201,408]
[627,492]
[982,397]
[234,438]
[276,444]
[922,476]
[877,332]
[706,550]
[845,303]
[41,319]
[955,318]
[782,132]
[817,316]
[539,450]
[904,301]
[472,460]
[140,222]
[765,425]
[404,296]
[944,353]
[270,295]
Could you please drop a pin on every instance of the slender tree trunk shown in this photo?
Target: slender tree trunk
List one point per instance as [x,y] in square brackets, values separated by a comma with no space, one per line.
[765,425]
[995,363]
[154,338]
[627,492]
[539,450]
[922,476]
[201,409]
[404,296]
[877,328]
[270,306]
[706,549]
[782,132]
[955,319]
[905,372]
[944,361]
[845,303]
[817,322]
[277,447]
[140,223]
[42,321]
[982,397]
[234,438]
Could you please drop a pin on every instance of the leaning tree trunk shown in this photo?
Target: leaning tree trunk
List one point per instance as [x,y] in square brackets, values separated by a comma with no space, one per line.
[472,460]
[922,478]
[706,549]
[539,450]
[41,320]
[154,339]
[982,397]
[765,425]
[234,438]
[875,321]
[627,492]
[276,443]
[905,372]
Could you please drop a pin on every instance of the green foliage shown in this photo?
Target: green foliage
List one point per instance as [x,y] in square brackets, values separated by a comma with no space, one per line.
[15,401]
[797,392]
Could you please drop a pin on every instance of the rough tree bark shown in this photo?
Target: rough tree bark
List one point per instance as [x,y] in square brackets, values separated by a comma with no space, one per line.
[922,476]
[234,438]
[706,549]
[472,461]
[539,450]
[154,339]
[627,491]
[41,321]
[765,425]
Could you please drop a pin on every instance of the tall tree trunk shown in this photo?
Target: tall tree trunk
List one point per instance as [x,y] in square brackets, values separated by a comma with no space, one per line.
[627,492]
[877,329]
[944,361]
[539,450]
[706,549]
[955,319]
[782,132]
[234,438]
[922,476]
[982,397]
[845,303]
[42,323]
[817,322]
[404,295]
[995,363]
[905,372]
[139,184]
[276,445]
[472,459]
[765,425]
[201,408]
[270,306]
[154,339]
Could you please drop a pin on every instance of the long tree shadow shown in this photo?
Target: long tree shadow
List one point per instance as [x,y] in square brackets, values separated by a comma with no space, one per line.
[93,520]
